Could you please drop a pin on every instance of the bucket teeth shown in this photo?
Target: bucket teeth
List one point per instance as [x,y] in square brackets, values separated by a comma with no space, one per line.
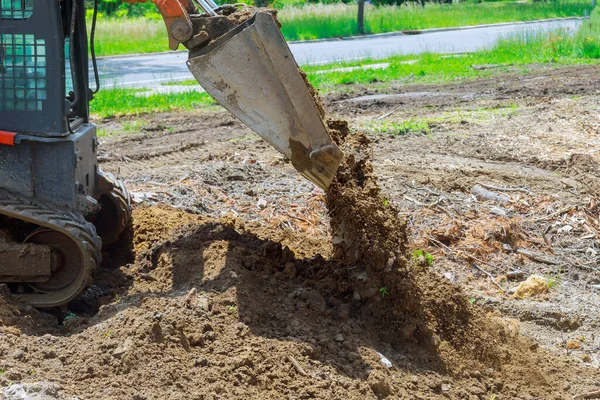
[251,72]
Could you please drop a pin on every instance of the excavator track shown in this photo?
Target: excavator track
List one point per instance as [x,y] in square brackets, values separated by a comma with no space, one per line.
[116,210]
[84,246]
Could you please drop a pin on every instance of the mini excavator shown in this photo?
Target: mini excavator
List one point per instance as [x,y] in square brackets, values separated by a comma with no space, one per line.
[58,209]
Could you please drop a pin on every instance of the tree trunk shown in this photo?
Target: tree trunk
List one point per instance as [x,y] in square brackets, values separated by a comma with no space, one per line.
[361,17]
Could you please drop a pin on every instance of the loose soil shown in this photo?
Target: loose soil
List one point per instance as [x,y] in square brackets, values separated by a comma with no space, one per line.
[236,283]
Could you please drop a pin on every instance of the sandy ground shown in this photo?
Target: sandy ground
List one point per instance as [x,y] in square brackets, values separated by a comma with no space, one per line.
[221,291]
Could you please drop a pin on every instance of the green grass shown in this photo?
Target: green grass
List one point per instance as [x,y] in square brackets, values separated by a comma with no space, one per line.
[514,54]
[312,21]
[117,102]
[404,127]
[316,21]
[130,36]
[511,54]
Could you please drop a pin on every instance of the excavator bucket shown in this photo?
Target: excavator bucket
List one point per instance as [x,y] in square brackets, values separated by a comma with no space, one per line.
[251,72]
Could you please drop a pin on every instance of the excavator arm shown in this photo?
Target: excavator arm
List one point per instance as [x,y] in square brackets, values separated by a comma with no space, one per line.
[241,59]
[176,14]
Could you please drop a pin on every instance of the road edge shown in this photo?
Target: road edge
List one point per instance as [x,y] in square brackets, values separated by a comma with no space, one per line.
[376,35]
[414,32]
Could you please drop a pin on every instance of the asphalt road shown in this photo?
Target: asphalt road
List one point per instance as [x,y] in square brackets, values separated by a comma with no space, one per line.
[152,70]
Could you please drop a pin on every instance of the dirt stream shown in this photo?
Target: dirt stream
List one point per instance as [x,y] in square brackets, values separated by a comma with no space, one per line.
[192,306]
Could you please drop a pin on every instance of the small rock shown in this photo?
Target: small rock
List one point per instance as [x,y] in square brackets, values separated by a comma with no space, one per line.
[379,383]
[233,275]
[586,358]
[287,255]
[476,390]
[19,355]
[123,348]
[572,344]
[15,392]
[261,204]
[199,302]
[49,353]
[210,335]
[200,362]
[14,376]
[290,269]
[385,360]
[501,212]
[532,286]
[147,277]
[446,387]
[339,337]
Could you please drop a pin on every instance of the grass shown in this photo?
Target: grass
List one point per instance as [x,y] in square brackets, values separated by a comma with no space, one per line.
[405,127]
[509,54]
[422,256]
[117,102]
[313,21]
[130,36]
[515,54]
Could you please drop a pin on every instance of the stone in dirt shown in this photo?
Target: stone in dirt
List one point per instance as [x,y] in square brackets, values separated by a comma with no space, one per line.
[33,391]
[532,286]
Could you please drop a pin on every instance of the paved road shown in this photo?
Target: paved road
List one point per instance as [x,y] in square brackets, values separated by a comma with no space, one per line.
[152,70]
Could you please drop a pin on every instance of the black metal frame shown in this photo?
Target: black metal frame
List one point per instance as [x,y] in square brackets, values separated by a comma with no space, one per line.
[33,98]
[55,154]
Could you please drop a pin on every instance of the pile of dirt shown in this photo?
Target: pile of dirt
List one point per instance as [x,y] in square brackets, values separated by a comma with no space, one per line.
[218,308]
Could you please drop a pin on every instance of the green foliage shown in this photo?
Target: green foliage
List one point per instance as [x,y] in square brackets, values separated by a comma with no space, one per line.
[417,254]
[553,281]
[120,9]
[558,47]
[70,316]
[384,292]
[118,32]
[404,127]
[114,102]
[129,36]
[314,21]
[574,48]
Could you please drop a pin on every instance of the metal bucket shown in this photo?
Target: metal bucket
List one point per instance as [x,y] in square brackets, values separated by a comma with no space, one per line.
[251,72]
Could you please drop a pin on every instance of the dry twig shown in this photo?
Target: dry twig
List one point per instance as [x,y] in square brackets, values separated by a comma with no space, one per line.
[590,395]
[554,214]
[417,202]
[489,276]
[505,189]
[297,365]
[536,257]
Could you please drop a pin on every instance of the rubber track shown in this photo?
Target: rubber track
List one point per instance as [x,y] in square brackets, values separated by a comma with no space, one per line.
[121,196]
[64,221]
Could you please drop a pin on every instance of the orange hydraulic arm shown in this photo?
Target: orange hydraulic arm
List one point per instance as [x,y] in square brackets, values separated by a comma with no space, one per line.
[176,16]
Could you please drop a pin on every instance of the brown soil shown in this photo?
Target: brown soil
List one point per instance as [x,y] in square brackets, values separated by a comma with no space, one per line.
[234,290]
